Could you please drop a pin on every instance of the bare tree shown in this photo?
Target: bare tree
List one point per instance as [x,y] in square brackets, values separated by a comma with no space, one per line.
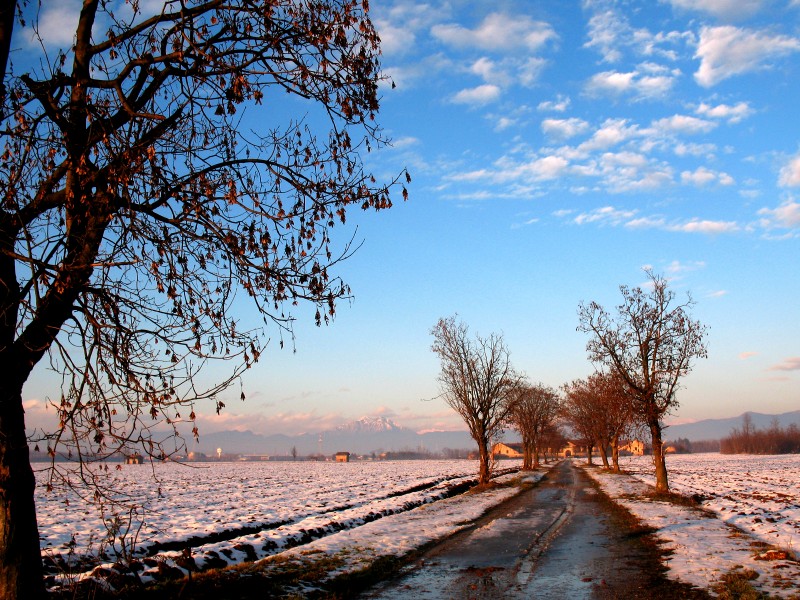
[580,414]
[477,381]
[651,343]
[534,409]
[137,205]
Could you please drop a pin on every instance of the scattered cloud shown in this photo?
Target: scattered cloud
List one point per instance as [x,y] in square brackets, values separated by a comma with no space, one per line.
[732,114]
[611,34]
[54,26]
[717,294]
[702,176]
[786,216]
[684,124]
[478,96]
[677,268]
[564,128]
[727,51]
[746,355]
[790,173]
[705,226]
[604,215]
[642,83]
[790,364]
[560,104]
[498,31]
[722,9]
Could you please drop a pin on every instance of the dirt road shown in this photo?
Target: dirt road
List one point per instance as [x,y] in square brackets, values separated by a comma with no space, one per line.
[560,539]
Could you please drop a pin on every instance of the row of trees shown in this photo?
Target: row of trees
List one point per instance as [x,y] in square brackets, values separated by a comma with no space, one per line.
[642,351]
[772,440]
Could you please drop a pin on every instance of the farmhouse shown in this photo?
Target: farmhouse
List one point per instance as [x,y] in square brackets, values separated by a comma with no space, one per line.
[503,450]
[342,457]
[635,447]
[134,459]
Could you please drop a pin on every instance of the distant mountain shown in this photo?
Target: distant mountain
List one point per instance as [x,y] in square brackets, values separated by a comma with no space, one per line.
[715,429]
[363,436]
[370,425]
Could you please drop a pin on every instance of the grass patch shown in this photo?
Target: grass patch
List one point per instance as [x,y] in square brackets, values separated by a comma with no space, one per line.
[736,585]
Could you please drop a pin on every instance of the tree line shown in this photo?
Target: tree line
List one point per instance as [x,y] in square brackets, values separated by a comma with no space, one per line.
[772,440]
[641,351]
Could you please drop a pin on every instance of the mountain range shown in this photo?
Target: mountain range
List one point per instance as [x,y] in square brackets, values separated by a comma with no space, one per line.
[378,434]
[363,436]
[715,429]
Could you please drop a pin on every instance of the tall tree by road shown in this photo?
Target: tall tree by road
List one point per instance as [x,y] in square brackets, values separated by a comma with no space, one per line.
[477,381]
[138,205]
[534,409]
[651,342]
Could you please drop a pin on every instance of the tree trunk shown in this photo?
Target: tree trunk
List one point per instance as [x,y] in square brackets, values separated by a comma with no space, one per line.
[601,448]
[526,457]
[536,456]
[615,453]
[589,454]
[20,556]
[484,468]
[662,483]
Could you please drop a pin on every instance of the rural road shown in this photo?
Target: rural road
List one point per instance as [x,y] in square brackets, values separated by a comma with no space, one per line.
[560,539]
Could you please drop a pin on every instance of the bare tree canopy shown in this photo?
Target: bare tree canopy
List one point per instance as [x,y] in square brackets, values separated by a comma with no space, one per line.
[477,380]
[651,343]
[138,206]
[534,409]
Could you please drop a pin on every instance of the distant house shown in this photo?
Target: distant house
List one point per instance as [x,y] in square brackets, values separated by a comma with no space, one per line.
[572,449]
[503,450]
[342,457]
[134,459]
[635,447]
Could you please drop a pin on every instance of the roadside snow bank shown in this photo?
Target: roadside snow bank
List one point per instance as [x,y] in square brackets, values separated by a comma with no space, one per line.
[701,548]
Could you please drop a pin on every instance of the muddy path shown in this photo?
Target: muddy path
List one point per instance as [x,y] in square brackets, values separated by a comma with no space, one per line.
[560,539]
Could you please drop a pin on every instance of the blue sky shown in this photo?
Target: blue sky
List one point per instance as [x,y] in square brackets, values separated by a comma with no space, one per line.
[556,149]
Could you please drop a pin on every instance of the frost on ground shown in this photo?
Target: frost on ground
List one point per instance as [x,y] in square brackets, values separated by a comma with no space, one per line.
[702,548]
[230,513]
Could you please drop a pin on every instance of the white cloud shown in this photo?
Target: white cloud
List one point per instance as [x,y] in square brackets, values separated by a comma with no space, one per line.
[57,25]
[722,9]
[703,176]
[610,33]
[547,167]
[733,114]
[790,173]
[611,133]
[676,267]
[394,40]
[705,226]
[646,82]
[564,128]
[727,51]
[787,216]
[530,70]
[498,31]
[560,104]
[683,124]
[746,355]
[605,215]
[477,96]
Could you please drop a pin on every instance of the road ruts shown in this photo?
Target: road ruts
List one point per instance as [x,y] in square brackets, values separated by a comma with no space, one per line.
[558,540]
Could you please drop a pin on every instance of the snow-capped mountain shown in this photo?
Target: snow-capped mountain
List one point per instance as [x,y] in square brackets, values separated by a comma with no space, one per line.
[370,425]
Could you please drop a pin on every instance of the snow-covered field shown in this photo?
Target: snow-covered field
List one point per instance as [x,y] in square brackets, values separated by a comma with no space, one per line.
[758,494]
[232,512]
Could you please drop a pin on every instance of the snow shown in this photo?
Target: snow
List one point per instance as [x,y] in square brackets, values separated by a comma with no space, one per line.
[262,509]
[360,511]
[703,547]
[758,494]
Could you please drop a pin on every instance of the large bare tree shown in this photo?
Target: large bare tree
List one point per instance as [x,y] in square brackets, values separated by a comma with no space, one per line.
[534,409]
[141,204]
[478,381]
[650,342]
